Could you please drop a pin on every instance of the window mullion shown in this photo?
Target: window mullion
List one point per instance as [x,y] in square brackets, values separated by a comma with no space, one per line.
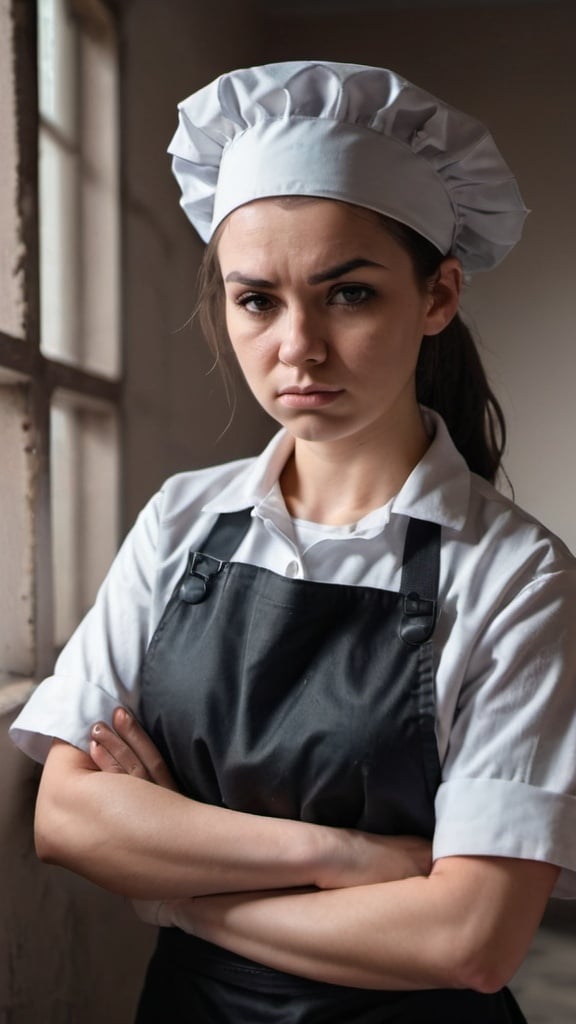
[39,398]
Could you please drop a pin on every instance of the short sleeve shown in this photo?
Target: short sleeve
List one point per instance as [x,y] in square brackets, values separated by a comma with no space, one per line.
[99,667]
[509,778]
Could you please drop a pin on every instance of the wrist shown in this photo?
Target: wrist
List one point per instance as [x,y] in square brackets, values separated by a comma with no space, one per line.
[330,855]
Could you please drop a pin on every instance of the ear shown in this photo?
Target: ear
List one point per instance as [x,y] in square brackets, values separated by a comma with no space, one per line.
[444,293]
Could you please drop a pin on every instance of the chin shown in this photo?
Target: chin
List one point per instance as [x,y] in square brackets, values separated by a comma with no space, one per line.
[318,430]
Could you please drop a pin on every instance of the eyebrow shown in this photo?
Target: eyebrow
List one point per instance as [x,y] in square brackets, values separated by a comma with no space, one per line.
[251,282]
[341,269]
[330,274]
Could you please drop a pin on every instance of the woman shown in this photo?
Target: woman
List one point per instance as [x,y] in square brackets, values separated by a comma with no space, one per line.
[352,645]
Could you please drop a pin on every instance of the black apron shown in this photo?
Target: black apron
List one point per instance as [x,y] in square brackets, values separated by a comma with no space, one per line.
[303,700]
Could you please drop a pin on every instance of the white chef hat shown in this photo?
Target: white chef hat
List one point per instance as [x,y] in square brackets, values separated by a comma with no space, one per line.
[359,134]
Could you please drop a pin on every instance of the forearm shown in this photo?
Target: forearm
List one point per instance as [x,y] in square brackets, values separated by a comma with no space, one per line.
[467,926]
[144,841]
[148,842]
[345,936]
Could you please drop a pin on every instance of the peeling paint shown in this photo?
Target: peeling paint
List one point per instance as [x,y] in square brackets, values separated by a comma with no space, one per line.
[12,249]
[16,532]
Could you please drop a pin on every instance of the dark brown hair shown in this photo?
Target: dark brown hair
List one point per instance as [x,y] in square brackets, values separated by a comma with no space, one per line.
[450,377]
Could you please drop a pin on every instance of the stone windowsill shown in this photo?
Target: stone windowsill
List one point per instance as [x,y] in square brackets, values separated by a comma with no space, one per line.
[14,693]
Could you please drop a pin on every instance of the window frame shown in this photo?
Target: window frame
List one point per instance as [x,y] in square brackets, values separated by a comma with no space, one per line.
[21,359]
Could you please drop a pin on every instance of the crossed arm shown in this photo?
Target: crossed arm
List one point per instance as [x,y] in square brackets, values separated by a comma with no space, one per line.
[330,904]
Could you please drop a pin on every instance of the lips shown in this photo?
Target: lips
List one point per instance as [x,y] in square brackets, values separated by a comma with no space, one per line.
[309,396]
[309,389]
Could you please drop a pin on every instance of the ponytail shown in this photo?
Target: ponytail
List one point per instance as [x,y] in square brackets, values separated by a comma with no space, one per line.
[450,377]
[451,380]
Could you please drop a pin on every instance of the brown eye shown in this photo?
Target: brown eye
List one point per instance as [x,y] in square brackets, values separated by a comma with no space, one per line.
[351,295]
[255,302]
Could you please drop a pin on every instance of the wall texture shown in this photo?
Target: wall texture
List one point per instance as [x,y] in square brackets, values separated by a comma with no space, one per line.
[178,415]
[69,951]
[11,277]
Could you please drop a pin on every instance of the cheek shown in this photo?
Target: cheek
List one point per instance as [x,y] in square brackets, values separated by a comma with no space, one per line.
[246,335]
[390,351]
[253,356]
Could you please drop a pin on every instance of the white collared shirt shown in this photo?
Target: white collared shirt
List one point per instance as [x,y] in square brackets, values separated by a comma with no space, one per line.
[505,640]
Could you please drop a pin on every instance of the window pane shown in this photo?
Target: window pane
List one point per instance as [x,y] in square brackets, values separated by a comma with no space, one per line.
[79,185]
[84,466]
[100,207]
[57,67]
[59,249]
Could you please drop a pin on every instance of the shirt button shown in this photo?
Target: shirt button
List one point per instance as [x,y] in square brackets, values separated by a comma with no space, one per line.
[292,569]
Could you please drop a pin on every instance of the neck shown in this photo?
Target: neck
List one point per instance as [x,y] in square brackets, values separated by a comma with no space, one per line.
[340,482]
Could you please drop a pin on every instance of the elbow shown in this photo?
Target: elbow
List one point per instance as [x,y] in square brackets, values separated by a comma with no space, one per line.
[59,830]
[43,847]
[49,846]
[64,816]
[486,980]
[468,956]
[68,827]
[49,834]
[486,969]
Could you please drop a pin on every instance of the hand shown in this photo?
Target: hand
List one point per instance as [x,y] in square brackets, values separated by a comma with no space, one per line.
[363,858]
[128,750]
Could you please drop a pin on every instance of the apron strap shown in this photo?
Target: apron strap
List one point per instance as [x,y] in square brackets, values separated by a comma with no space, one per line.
[220,544]
[227,534]
[420,578]
[420,569]
[421,563]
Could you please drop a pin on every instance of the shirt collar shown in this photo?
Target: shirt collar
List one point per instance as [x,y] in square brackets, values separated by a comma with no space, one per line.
[254,484]
[437,490]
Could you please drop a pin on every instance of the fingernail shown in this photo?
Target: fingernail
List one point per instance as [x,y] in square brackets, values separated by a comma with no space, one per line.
[96,730]
[120,715]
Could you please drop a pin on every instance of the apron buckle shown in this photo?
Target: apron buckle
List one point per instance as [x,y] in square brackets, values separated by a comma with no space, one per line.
[418,619]
[201,569]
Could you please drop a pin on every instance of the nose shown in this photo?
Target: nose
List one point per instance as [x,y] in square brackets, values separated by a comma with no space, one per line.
[302,338]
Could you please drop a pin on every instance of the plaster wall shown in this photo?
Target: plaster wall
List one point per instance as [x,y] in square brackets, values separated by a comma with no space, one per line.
[177,413]
[69,951]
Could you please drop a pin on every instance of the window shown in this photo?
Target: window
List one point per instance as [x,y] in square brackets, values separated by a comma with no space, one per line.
[60,367]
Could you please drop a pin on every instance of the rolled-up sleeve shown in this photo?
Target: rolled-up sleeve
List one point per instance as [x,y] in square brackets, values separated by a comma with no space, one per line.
[509,777]
[100,666]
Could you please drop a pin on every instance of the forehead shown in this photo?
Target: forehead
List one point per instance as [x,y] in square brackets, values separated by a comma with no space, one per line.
[281,228]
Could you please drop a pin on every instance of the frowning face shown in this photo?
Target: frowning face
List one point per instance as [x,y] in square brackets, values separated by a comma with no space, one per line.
[325,316]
